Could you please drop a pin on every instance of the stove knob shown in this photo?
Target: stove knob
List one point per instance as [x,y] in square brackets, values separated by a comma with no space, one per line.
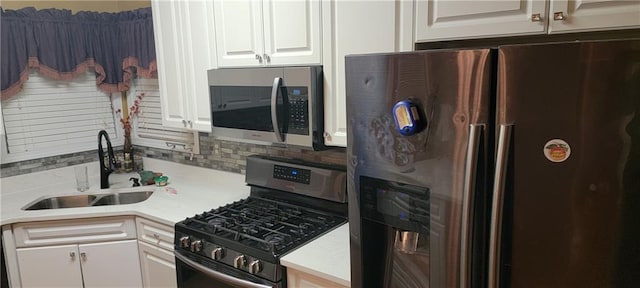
[255,267]
[240,261]
[196,246]
[217,253]
[184,241]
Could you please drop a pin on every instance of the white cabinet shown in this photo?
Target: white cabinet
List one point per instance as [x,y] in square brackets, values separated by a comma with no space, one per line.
[51,266]
[386,27]
[590,15]
[76,253]
[185,50]
[155,243]
[438,20]
[445,20]
[297,278]
[269,32]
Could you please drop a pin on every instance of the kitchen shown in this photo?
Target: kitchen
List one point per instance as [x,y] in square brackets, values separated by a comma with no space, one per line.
[391,23]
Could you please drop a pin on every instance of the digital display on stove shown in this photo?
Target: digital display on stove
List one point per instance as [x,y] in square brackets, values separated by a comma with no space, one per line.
[292,174]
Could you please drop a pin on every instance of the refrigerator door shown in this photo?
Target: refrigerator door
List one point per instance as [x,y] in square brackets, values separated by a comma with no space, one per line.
[417,131]
[567,186]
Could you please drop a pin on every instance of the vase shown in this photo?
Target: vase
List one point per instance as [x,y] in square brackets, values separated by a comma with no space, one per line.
[127,163]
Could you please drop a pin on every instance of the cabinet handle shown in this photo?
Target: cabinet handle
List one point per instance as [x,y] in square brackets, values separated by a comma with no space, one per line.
[190,123]
[536,17]
[184,123]
[155,235]
[267,58]
[259,58]
[559,16]
[72,255]
[83,256]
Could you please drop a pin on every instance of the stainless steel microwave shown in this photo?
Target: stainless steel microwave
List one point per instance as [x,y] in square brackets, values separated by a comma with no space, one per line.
[281,105]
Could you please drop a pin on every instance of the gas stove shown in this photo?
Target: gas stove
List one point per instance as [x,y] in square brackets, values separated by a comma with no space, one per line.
[240,244]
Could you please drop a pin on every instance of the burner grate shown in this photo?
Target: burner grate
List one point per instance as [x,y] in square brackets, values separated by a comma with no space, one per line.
[263,224]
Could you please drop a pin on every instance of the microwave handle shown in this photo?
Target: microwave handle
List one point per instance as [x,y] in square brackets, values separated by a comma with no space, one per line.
[277,82]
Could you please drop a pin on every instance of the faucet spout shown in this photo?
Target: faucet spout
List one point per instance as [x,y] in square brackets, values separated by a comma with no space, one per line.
[105,167]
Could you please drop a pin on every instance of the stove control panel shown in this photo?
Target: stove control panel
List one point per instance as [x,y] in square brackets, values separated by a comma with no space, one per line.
[297,175]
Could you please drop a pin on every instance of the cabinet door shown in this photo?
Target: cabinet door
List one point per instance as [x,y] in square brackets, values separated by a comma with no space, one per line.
[292,32]
[239,36]
[297,278]
[158,266]
[199,52]
[167,31]
[50,266]
[111,264]
[380,31]
[591,15]
[445,20]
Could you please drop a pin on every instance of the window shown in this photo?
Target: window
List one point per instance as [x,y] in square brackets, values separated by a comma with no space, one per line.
[51,117]
[147,124]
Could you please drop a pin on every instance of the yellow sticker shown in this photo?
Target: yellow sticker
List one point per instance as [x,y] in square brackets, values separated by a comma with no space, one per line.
[557,150]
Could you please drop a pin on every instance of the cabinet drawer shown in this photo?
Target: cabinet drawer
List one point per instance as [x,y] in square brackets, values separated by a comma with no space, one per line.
[74,231]
[155,233]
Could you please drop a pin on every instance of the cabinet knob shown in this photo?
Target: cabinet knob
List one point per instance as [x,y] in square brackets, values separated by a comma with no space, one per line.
[536,17]
[559,16]
[83,256]
[190,123]
[267,58]
[155,235]
[259,58]
[72,255]
[184,123]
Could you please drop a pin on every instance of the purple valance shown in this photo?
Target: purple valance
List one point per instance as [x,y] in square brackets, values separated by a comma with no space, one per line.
[61,45]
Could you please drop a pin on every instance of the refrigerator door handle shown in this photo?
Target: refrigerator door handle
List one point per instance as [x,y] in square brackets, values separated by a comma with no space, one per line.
[475,135]
[502,159]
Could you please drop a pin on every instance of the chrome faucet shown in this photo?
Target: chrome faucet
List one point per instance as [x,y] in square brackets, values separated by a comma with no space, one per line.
[105,168]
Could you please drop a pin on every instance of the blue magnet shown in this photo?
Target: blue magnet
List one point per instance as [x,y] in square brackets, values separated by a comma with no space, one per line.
[407,117]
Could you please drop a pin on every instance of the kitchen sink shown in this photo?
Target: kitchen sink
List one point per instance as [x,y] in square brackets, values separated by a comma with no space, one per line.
[70,201]
[62,202]
[122,198]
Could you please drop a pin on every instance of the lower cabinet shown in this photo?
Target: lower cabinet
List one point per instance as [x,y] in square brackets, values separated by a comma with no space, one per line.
[155,245]
[96,252]
[297,278]
[158,266]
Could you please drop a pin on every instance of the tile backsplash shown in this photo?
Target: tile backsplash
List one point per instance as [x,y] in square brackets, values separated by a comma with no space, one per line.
[215,154]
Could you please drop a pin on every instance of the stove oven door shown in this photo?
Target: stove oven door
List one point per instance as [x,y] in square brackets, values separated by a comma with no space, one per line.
[201,272]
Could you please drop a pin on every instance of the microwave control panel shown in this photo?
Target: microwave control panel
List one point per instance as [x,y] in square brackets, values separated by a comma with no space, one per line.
[298,110]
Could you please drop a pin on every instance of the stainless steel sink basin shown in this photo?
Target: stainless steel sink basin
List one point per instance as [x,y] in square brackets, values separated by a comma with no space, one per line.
[62,202]
[123,198]
[88,200]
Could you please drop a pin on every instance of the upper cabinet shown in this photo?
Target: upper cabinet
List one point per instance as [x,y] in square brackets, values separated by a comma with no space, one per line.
[438,20]
[385,27]
[269,32]
[593,15]
[185,50]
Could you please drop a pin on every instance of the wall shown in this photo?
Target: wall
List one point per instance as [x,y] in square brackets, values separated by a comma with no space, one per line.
[75,6]
[215,154]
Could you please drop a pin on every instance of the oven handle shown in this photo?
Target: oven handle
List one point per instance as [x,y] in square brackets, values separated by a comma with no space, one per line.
[218,275]
[277,82]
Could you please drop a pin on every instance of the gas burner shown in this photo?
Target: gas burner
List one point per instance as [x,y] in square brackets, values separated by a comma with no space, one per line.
[216,222]
[271,242]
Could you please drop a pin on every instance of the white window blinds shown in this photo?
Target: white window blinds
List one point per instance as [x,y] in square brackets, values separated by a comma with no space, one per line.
[148,127]
[51,117]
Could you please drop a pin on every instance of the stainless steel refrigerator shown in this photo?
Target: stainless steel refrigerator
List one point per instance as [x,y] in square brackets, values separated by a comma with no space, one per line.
[510,167]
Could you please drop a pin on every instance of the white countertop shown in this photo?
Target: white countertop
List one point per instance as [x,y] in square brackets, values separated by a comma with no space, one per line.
[191,190]
[326,257]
